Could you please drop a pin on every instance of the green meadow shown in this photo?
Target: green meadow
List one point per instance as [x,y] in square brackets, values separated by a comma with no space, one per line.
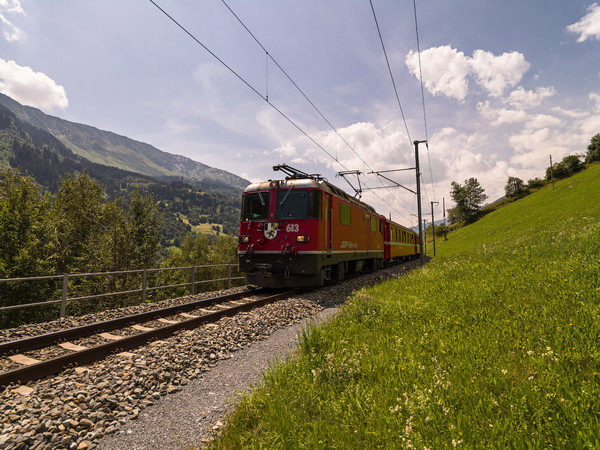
[494,344]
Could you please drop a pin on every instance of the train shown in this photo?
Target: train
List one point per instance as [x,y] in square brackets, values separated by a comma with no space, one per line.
[302,231]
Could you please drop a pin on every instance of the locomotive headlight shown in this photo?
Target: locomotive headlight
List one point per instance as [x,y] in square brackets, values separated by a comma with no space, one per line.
[302,238]
[246,239]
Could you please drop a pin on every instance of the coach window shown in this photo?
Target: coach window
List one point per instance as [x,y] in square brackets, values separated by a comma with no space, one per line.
[292,204]
[256,206]
[345,214]
[314,204]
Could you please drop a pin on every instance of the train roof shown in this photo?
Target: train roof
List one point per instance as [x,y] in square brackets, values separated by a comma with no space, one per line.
[308,183]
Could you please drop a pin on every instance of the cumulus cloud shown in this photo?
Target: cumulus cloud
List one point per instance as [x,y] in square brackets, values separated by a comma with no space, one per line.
[446,70]
[595,98]
[538,121]
[501,116]
[380,147]
[31,88]
[9,30]
[533,148]
[521,98]
[589,26]
[520,101]
[496,73]
[590,125]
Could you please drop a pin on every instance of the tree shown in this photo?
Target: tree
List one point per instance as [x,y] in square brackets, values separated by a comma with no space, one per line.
[514,187]
[468,200]
[593,153]
[535,183]
[145,223]
[24,247]
[569,165]
[23,230]
[77,216]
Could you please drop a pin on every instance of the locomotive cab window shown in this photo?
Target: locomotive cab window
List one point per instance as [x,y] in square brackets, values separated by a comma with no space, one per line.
[256,206]
[292,204]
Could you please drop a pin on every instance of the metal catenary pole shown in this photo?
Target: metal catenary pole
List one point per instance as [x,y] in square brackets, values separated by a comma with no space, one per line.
[433,226]
[419,200]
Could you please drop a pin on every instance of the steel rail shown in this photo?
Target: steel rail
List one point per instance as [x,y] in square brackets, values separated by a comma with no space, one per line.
[43,340]
[54,365]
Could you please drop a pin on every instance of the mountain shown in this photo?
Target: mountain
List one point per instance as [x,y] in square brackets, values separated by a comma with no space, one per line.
[185,208]
[110,149]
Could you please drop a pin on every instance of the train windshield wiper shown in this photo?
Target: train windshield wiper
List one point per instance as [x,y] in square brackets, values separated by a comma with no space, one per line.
[262,200]
[286,195]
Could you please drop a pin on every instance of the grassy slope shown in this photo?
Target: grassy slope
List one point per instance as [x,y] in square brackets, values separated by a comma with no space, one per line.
[496,343]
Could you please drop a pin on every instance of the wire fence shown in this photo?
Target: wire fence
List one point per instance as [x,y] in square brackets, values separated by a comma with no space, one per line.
[81,293]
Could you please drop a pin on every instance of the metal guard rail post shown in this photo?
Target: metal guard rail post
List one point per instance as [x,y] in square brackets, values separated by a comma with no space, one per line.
[143,290]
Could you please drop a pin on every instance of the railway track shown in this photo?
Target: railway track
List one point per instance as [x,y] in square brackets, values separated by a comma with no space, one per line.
[73,344]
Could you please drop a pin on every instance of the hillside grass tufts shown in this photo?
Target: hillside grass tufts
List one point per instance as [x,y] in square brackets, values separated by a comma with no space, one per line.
[495,344]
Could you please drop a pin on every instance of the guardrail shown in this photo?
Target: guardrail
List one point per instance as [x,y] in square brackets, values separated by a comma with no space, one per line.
[143,290]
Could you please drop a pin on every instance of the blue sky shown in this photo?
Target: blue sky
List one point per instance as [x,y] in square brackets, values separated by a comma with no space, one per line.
[506,84]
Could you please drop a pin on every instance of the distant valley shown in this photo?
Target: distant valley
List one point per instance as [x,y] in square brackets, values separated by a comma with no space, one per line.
[110,149]
[192,195]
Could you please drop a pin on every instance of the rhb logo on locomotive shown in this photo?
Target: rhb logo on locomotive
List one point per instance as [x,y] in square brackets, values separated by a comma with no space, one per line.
[271,230]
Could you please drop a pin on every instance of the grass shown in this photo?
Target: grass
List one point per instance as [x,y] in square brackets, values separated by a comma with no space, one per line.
[202,228]
[495,344]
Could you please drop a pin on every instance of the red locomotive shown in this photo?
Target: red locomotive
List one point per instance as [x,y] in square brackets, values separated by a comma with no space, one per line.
[302,231]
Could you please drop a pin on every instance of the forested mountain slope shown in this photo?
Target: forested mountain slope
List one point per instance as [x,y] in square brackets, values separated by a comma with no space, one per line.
[110,149]
[47,160]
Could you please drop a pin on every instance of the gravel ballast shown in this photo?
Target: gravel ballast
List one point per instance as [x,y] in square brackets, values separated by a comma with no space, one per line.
[170,393]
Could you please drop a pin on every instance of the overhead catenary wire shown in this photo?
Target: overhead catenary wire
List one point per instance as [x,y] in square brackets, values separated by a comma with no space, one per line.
[269,56]
[391,74]
[265,98]
[396,90]
[292,81]
[423,95]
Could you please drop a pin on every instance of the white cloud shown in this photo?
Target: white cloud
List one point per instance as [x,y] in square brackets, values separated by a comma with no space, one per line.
[542,121]
[501,116]
[461,154]
[13,6]
[10,31]
[590,125]
[594,97]
[31,88]
[589,26]
[573,114]
[496,73]
[380,147]
[446,70]
[528,141]
[521,98]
